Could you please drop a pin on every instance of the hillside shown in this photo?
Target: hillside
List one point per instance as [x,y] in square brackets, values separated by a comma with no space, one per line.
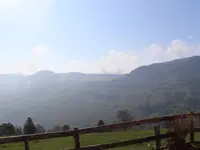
[82,99]
[51,98]
[164,88]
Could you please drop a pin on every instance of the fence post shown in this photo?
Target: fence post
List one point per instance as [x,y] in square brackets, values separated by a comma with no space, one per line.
[26,144]
[191,116]
[157,133]
[76,139]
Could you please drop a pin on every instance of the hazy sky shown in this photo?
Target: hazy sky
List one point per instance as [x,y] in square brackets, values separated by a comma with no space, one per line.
[95,36]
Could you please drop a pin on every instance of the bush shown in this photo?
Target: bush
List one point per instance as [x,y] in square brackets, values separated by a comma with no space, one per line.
[179,130]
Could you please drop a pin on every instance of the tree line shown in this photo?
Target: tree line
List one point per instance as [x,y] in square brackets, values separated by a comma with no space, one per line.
[31,128]
[28,128]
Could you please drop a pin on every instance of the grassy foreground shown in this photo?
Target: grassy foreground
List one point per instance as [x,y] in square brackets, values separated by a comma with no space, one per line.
[87,139]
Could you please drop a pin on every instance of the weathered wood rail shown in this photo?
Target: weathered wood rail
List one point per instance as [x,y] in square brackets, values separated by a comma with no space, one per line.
[77,132]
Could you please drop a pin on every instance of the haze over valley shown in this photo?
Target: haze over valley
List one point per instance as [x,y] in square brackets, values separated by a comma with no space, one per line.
[82,99]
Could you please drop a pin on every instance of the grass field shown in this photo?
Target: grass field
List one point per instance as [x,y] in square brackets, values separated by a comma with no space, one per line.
[90,139]
[87,139]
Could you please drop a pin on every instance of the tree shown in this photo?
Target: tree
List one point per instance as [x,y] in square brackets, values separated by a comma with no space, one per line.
[29,127]
[18,130]
[7,129]
[124,115]
[65,127]
[40,128]
[100,123]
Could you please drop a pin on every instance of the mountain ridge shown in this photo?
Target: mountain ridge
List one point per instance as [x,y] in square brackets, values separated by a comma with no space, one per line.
[51,98]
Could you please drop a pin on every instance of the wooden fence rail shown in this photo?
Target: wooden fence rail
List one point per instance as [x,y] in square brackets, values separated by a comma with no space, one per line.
[76,132]
[127,142]
[15,139]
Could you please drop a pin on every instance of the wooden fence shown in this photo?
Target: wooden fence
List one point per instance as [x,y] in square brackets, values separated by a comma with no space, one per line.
[77,132]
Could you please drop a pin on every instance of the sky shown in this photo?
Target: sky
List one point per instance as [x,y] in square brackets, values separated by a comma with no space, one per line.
[95,36]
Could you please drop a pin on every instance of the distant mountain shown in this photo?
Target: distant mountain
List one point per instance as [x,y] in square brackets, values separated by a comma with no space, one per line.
[43,75]
[172,72]
[88,77]
[81,99]
[47,93]
[163,86]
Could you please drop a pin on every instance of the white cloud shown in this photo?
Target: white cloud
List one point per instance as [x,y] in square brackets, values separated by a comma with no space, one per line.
[123,62]
[114,62]
[119,62]
[178,49]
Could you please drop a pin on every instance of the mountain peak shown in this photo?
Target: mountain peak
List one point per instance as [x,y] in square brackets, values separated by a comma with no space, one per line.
[43,74]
